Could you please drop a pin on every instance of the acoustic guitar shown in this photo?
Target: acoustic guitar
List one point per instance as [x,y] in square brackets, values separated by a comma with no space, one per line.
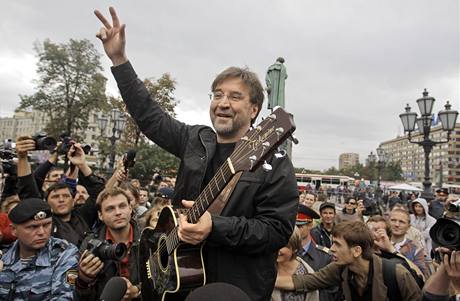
[170,269]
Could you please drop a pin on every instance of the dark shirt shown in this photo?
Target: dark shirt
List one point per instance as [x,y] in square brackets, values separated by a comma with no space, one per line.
[367,293]
[223,151]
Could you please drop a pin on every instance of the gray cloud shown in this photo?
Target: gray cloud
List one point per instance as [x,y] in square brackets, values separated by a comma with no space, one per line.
[352,65]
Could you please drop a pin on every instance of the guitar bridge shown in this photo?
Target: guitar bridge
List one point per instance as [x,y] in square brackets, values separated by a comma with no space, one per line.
[149,272]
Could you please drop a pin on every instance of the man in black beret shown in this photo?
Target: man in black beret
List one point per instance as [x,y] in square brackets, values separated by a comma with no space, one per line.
[37,260]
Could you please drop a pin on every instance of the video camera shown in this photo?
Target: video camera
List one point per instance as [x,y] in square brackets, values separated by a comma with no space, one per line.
[446,231]
[104,249]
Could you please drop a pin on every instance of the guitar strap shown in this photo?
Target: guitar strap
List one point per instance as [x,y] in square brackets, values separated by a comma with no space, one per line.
[219,203]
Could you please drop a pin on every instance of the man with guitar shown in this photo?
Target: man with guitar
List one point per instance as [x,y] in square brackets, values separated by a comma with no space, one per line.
[258,218]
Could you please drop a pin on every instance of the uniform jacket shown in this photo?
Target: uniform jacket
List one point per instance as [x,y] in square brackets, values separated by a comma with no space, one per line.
[49,276]
[338,275]
[259,216]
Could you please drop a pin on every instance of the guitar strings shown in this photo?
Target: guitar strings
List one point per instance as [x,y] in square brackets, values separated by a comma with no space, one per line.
[172,237]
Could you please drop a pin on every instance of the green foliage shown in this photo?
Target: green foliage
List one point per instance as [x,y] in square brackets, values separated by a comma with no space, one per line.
[151,158]
[70,85]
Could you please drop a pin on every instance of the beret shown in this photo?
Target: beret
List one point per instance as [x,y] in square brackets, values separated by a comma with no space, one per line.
[165,192]
[305,215]
[27,209]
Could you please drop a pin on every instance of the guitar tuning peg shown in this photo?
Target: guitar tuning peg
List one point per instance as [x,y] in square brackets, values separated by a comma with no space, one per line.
[266,167]
[294,139]
[252,159]
[280,154]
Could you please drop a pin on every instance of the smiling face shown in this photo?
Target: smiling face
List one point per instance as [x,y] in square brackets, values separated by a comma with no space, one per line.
[231,110]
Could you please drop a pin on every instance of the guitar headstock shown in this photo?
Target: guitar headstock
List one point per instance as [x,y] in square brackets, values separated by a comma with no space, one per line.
[258,143]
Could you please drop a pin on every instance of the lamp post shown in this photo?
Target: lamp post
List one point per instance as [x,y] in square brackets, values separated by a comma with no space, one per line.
[118,123]
[448,119]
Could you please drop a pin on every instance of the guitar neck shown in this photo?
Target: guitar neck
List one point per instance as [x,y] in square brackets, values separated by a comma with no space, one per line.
[204,200]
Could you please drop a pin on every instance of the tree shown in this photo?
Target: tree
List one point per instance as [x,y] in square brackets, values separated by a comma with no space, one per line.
[151,158]
[69,87]
[148,156]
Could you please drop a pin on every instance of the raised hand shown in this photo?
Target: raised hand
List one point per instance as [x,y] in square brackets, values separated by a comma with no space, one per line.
[112,37]
[76,155]
[24,144]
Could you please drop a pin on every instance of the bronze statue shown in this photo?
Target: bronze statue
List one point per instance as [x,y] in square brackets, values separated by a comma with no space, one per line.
[275,80]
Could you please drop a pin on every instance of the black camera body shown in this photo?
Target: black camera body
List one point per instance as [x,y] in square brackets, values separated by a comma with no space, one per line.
[67,143]
[104,249]
[446,231]
[44,142]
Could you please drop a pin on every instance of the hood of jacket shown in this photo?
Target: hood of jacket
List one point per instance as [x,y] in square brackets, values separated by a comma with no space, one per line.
[421,202]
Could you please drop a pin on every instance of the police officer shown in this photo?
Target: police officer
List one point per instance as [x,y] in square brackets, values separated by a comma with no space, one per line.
[37,266]
[315,255]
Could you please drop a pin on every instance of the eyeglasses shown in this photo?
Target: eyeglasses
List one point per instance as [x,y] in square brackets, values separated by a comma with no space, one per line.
[219,95]
[352,203]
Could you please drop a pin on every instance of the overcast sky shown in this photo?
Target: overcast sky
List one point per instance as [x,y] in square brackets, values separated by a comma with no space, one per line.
[352,65]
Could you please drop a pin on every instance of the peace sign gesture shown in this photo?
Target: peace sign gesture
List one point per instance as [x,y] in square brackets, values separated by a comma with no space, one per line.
[112,37]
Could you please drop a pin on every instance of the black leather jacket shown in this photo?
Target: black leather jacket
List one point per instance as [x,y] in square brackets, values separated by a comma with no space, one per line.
[259,216]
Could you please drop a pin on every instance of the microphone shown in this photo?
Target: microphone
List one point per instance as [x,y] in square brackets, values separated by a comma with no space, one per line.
[128,158]
[114,289]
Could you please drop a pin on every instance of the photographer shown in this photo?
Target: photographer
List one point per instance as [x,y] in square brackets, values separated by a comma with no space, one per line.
[114,211]
[448,274]
[68,223]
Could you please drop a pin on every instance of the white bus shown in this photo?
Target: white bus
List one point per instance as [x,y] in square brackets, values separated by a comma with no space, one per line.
[326,181]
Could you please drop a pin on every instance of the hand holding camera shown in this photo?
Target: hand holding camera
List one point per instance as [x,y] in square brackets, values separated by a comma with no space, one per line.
[76,154]
[24,144]
[89,266]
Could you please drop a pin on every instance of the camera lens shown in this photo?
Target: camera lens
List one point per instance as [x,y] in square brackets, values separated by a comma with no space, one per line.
[113,251]
[446,233]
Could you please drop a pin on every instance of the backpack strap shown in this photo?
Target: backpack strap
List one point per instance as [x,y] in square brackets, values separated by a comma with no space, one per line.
[389,279]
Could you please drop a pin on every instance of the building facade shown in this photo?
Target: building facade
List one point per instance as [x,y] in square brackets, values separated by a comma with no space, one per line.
[444,158]
[347,160]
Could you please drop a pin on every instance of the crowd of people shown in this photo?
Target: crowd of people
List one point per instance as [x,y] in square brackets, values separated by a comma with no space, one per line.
[66,233]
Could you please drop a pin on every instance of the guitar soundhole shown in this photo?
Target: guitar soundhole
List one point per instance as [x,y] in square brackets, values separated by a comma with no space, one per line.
[163,254]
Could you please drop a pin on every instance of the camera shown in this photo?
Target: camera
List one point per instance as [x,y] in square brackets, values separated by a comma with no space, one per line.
[67,143]
[446,231]
[104,249]
[43,142]
[129,159]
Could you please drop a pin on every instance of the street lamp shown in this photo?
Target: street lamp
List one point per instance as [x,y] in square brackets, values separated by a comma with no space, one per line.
[448,119]
[118,123]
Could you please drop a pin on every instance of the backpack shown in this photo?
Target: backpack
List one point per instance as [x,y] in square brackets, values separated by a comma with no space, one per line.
[389,276]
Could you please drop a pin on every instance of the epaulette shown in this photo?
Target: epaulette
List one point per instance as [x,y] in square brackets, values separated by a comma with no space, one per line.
[324,249]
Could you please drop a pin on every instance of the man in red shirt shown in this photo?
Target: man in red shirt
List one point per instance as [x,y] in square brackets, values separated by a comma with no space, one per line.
[115,211]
